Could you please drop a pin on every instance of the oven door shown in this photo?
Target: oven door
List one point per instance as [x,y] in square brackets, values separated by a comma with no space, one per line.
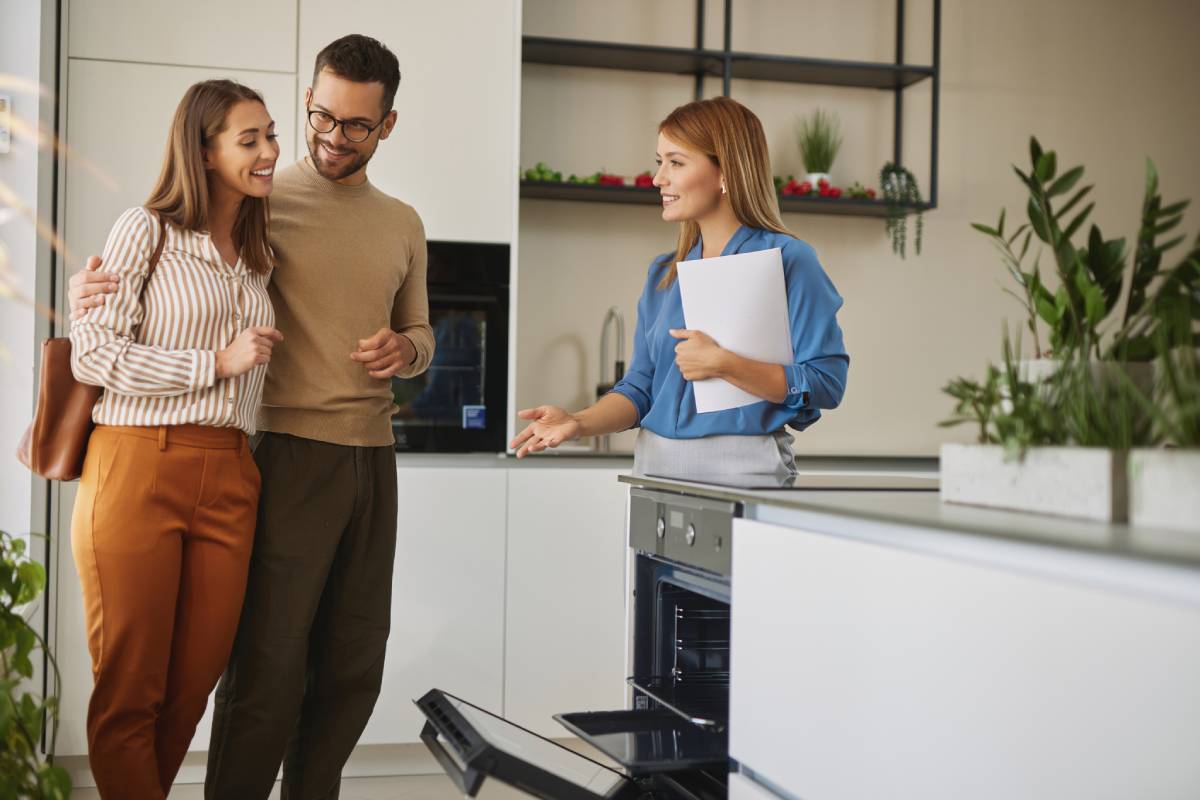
[459,404]
[472,744]
[662,754]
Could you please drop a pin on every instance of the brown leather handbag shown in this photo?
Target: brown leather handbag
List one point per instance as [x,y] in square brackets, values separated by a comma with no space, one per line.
[56,442]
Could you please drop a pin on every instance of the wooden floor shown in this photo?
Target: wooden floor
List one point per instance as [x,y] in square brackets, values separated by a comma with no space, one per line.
[409,787]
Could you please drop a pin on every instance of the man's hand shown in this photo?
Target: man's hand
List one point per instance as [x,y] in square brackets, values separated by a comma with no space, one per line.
[385,353]
[89,288]
[698,356]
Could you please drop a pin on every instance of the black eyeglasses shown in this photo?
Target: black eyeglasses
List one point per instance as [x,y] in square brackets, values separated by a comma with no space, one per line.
[354,131]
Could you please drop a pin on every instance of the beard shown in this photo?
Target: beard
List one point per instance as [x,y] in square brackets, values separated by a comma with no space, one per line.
[332,172]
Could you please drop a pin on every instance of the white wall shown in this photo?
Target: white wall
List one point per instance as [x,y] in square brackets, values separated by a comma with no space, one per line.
[20,56]
[1104,82]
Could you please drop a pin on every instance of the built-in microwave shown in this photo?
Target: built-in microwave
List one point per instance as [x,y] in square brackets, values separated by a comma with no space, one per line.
[459,404]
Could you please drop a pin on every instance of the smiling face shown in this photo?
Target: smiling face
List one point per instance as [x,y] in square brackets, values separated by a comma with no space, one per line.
[335,156]
[241,158]
[689,182]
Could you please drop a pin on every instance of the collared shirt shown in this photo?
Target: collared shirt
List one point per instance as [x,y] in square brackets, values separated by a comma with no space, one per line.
[666,403]
[157,359]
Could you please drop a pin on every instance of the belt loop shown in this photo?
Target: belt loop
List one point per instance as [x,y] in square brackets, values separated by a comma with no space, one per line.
[162,437]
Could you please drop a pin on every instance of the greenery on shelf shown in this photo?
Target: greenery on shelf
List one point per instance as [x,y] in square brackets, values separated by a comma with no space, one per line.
[820,138]
[902,195]
[1082,312]
[23,714]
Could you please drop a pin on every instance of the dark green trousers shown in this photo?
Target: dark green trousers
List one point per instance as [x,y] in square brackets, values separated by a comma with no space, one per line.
[307,662]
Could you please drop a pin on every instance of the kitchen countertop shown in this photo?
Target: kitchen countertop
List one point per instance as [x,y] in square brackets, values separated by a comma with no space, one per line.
[924,510]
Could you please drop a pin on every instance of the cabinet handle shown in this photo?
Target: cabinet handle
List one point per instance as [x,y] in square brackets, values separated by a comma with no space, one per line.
[691,534]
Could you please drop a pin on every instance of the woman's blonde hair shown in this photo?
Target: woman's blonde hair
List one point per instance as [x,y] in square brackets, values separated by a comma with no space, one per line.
[181,197]
[733,139]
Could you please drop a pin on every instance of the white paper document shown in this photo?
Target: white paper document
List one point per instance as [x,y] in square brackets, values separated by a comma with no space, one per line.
[741,302]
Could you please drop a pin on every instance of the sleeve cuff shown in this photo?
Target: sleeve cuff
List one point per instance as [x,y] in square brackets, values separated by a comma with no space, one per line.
[641,412]
[797,389]
[204,369]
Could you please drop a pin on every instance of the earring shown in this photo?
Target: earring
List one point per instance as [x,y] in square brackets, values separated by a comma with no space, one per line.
[722,188]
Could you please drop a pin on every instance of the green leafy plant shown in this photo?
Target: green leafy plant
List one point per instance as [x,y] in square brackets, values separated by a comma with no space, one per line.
[1076,405]
[820,138]
[1080,313]
[903,196]
[24,715]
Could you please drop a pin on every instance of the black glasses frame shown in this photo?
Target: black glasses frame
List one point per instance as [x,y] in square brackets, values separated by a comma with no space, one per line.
[343,122]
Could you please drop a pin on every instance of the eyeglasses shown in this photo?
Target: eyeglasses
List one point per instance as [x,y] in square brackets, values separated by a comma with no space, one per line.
[354,131]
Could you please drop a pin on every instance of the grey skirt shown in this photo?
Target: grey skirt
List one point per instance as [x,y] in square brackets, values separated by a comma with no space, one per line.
[769,454]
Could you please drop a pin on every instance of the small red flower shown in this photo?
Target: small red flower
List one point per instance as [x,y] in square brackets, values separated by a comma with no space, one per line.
[823,191]
[835,192]
[871,194]
[804,188]
[822,184]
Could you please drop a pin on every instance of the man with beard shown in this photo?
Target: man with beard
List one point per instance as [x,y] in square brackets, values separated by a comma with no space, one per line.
[350,299]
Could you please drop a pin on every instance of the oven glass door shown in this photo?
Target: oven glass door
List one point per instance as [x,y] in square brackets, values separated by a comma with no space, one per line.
[458,404]
[472,744]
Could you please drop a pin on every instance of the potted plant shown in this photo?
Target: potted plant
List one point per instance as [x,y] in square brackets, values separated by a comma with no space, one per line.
[903,197]
[24,716]
[1164,482]
[1085,398]
[1057,445]
[820,138]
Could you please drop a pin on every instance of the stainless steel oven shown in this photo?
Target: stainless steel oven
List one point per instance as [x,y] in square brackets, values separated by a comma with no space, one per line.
[671,742]
[460,403]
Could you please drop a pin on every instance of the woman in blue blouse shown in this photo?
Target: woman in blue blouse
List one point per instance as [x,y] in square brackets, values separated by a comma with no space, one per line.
[714,175]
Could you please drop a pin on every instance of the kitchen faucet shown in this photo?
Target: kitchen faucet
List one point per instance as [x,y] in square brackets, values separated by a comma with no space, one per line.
[615,319]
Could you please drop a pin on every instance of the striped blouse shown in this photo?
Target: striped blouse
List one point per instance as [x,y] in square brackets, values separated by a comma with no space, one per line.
[194,306]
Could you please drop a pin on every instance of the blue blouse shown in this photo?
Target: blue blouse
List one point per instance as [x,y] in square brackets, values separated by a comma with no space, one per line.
[666,402]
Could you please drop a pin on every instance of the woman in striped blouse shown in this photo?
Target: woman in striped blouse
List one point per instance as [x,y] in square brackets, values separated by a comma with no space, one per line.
[164,518]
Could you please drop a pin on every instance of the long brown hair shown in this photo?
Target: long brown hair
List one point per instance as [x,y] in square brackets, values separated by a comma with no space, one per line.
[181,197]
[732,137]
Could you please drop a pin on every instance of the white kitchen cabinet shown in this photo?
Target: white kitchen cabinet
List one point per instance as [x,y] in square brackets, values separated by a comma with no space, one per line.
[118,117]
[742,788]
[453,154]
[447,597]
[864,670]
[229,34]
[565,644]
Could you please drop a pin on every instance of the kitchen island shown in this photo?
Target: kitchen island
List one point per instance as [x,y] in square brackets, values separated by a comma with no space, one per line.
[886,645]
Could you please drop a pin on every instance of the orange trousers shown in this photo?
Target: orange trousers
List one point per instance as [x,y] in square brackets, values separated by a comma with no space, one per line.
[162,533]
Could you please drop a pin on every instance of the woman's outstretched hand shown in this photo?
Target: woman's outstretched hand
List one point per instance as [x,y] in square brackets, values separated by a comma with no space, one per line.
[549,426]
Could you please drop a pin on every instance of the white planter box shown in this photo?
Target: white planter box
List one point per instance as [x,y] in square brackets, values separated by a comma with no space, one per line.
[1164,489]
[1085,482]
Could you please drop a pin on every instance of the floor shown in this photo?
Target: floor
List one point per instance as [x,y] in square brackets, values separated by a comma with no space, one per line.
[411,787]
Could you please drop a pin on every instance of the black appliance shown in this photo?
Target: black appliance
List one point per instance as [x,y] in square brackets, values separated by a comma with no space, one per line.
[460,404]
[672,741]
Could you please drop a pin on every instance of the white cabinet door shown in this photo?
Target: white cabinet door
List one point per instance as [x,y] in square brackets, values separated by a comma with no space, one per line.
[565,644]
[864,671]
[216,33]
[742,788]
[118,116]
[453,154]
[447,597]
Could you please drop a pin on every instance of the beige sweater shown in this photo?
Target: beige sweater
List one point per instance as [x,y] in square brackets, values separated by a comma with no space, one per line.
[351,260]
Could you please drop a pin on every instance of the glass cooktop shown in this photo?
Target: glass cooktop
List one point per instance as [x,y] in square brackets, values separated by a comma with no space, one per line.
[816,481]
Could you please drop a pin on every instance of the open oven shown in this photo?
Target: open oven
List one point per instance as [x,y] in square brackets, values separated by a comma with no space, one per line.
[672,741]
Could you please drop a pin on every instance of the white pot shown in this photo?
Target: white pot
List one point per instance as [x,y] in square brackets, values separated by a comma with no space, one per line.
[1035,370]
[1084,482]
[815,177]
[1164,489]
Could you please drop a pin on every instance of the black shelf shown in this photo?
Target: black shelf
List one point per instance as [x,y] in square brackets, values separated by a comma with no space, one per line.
[841,206]
[745,66]
[827,72]
[612,55]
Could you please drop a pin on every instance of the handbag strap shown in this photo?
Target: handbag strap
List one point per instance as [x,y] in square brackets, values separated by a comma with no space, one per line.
[158,248]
